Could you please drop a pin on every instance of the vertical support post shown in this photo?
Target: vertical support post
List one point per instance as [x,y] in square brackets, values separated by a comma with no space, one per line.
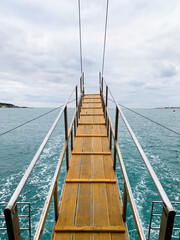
[75,119]
[167,222]
[12,223]
[106,95]
[149,232]
[76,96]
[110,140]
[107,126]
[83,82]
[106,117]
[75,126]
[56,201]
[29,221]
[124,203]
[66,137]
[116,132]
[100,82]
[72,139]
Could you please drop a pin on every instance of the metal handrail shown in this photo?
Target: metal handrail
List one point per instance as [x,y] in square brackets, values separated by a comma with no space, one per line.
[10,212]
[168,210]
[153,175]
[127,187]
[53,188]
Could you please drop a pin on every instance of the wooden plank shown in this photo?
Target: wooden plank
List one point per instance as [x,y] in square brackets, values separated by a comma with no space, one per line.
[91,153]
[91,111]
[91,135]
[100,207]
[92,114]
[91,101]
[77,145]
[91,107]
[67,210]
[91,123]
[77,180]
[83,216]
[97,229]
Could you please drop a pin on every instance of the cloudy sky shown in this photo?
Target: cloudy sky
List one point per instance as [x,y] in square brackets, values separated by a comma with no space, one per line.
[39,50]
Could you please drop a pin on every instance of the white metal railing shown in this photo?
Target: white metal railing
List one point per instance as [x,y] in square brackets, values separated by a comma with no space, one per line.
[168,213]
[11,212]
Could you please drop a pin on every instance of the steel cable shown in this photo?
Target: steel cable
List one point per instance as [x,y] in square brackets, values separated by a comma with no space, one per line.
[80,41]
[159,124]
[105,33]
[33,119]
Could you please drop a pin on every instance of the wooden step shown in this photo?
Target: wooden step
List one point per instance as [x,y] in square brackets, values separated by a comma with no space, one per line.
[91,153]
[94,229]
[90,180]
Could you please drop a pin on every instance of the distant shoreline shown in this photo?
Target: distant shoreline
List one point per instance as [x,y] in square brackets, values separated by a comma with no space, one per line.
[9,105]
[167,107]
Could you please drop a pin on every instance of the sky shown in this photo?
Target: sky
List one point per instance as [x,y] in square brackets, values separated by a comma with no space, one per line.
[39,51]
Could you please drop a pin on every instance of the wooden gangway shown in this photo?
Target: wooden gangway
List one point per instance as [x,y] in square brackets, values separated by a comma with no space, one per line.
[90,206]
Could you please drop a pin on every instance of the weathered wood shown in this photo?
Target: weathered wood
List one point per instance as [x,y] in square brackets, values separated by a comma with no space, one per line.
[91,153]
[97,229]
[78,180]
[91,135]
[90,123]
[90,207]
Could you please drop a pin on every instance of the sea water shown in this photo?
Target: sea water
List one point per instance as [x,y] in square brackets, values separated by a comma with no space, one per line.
[18,147]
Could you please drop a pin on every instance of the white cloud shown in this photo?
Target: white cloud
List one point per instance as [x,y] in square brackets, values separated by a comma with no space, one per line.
[39,50]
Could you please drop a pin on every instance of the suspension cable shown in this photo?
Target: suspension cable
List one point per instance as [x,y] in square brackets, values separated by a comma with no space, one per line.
[33,119]
[80,41]
[105,33]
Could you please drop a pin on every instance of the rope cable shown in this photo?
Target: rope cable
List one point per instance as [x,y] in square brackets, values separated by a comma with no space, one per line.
[80,41]
[105,33]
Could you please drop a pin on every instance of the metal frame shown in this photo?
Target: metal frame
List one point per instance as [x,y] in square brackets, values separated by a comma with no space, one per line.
[168,213]
[10,212]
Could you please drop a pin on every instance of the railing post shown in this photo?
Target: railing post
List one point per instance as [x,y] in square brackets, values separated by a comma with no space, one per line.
[56,202]
[12,223]
[124,203]
[116,133]
[83,82]
[72,139]
[76,96]
[29,221]
[106,117]
[110,140]
[75,126]
[66,137]
[107,126]
[106,95]
[167,222]
[76,120]
[100,82]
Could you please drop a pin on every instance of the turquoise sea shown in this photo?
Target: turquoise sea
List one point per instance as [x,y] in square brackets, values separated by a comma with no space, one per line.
[18,147]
